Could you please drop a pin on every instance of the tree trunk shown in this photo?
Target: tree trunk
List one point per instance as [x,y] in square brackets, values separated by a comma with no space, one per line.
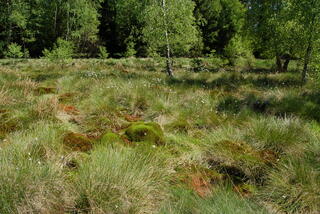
[309,48]
[9,30]
[169,63]
[68,21]
[279,64]
[307,57]
[306,61]
[55,20]
[168,56]
[286,65]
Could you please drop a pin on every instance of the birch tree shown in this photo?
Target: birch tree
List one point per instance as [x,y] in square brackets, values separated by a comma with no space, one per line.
[169,28]
[307,13]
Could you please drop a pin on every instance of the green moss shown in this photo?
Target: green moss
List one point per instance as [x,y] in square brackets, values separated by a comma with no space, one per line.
[145,132]
[109,138]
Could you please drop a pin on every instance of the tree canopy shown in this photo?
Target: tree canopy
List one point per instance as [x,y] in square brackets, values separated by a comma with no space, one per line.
[283,30]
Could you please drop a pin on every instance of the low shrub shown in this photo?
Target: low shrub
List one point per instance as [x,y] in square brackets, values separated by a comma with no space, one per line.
[14,51]
[62,50]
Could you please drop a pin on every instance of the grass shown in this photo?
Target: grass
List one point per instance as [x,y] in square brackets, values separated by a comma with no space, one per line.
[32,180]
[224,200]
[240,139]
[122,181]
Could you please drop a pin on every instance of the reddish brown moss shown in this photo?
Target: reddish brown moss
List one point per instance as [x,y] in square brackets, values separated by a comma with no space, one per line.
[45,90]
[199,179]
[77,142]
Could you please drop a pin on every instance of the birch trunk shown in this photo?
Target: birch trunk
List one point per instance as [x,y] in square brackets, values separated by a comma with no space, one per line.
[169,62]
[307,57]
[306,61]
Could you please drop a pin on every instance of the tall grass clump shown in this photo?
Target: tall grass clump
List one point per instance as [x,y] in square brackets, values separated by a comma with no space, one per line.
[277,134]
[294,184]
[120,180]
[29,183]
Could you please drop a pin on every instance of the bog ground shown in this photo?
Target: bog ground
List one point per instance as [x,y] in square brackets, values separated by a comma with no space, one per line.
[119,136]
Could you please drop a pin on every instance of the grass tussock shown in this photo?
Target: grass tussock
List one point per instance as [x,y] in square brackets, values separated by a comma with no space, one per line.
[121,180]
[32,180]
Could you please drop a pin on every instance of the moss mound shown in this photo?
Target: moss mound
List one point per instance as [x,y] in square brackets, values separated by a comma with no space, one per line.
[145,132]
[110,137]
[77,142]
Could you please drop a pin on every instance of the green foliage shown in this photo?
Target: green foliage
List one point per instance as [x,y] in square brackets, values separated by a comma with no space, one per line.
[14,51]
[130,52]
[236,48]
[62,50]
[103,53]
[219,22]
[137,27]
[178,21]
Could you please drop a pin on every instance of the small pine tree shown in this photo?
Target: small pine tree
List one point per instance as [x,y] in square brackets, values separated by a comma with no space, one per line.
[14,51]
[63,50]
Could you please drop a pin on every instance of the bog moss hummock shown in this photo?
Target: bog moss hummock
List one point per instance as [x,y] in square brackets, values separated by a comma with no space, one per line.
[145,132]
[77,142]
[110,138]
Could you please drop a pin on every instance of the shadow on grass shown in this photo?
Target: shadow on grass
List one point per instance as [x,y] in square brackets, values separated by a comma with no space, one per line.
[261,71]
[235,80]
[283,82]
[228,81]
[305,105]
